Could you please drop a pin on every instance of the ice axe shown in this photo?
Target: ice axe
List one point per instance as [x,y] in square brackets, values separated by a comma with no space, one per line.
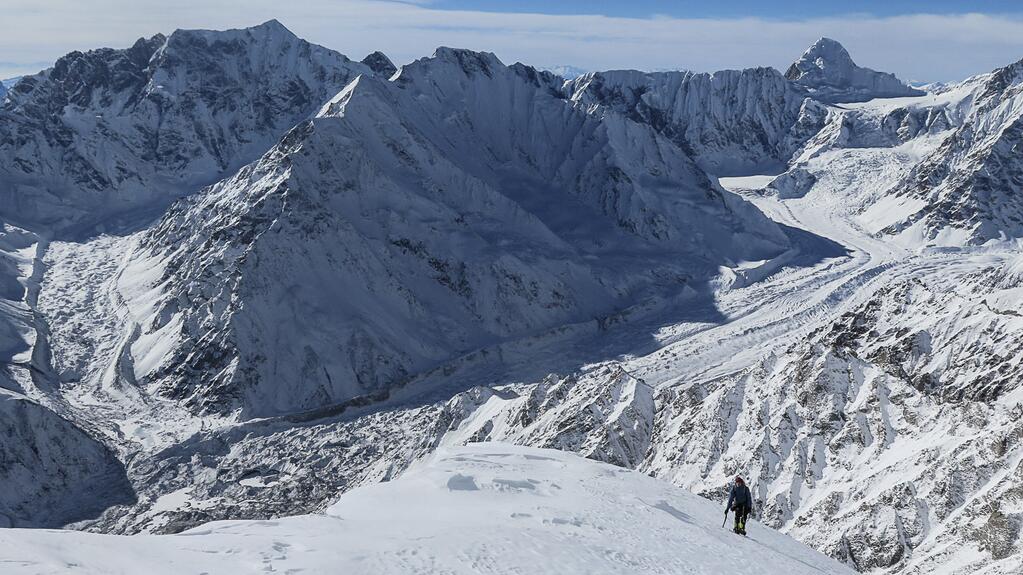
[726,519]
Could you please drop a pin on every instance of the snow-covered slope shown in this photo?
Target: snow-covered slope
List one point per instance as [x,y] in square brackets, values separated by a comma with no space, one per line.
[730,122]
[485,508]
[118,134]
[827,70]
[566,71]
[937,170]
[973,183]
[463,204]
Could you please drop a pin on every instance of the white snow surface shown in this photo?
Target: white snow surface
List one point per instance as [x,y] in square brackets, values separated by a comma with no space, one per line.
[485,508]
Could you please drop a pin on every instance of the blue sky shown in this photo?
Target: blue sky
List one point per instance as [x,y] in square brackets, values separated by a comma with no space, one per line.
[936,40]
[734,8]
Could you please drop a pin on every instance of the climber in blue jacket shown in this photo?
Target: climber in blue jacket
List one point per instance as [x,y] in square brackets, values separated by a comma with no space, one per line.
[740,500]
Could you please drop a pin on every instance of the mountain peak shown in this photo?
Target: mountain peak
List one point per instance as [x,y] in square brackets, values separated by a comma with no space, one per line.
[828,71]
[272,24]
[268,29]
[469,60]
[380,63]
[825,43]
[828,52]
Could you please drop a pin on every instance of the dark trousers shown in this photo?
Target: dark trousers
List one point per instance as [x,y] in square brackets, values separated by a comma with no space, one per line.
[741,514]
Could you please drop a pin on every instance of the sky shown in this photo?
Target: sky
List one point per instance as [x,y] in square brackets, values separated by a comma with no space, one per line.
[933,40]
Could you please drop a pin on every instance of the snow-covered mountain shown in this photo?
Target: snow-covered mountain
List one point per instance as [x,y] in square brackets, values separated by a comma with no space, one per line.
[490,508]
[730,122]
[950,172]
[566,71]
[461,205]
[111,135]
[380,64]
[827,70]
[971,184]
[464,251]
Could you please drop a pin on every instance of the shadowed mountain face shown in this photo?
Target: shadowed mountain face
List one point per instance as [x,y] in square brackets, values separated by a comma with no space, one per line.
[731,122]
[827,70]
[381,64]
[53,472]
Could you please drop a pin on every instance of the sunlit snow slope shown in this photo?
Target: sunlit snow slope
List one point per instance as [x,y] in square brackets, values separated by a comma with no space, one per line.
[485,508]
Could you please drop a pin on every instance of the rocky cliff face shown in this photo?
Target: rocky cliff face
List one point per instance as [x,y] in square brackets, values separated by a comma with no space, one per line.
[730,122]
[827,70]
[53,471]
[380,64]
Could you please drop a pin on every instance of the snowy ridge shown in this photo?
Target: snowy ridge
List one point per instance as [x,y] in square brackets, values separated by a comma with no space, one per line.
[730,122]
[486,507]
[828,71]
[113,134]
[972,182]
[312,213]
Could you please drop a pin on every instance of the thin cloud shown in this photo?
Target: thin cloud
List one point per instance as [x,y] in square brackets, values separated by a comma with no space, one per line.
[915,47]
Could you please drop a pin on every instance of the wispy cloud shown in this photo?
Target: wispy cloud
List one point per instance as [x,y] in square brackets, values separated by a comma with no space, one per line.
[915,47]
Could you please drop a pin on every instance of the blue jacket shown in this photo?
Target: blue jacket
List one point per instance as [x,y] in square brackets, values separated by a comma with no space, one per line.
[741,496]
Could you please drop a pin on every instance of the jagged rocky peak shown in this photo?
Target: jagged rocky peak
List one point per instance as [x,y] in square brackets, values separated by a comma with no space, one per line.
[469,61]
[459,65]
[380,63]
[731,122]
[827,70]
[110,134]
[399,194]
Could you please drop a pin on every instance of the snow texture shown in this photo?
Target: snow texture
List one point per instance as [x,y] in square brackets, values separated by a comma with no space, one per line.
[730,122]
[485,508]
